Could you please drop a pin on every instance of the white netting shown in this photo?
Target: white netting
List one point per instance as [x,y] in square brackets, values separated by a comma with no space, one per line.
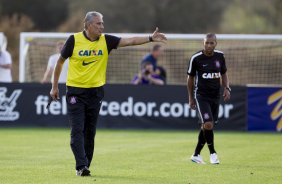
[255,59]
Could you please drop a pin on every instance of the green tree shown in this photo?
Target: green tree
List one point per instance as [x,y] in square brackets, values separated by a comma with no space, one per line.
[18,23]
[46,15]
[181,16]
[250,16]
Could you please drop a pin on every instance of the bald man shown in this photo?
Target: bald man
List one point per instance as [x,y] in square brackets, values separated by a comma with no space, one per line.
[206,70]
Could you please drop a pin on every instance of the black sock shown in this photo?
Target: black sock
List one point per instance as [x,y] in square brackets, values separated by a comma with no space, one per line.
[209,138]
[201,143]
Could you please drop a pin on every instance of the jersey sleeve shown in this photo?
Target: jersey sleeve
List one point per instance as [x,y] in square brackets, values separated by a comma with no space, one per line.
[112,42]
[147,58]
[51,63]
[192,67]
[223,66]
[6,58]
[67,50]
[53,60]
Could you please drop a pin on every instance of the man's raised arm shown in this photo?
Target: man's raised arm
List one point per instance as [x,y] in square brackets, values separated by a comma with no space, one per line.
[155,37]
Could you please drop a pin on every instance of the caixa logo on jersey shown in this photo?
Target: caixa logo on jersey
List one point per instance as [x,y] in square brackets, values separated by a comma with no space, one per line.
[211,75]
[8,104]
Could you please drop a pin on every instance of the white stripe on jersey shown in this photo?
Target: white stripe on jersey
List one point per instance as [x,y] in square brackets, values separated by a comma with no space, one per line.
[218,51]
[192,59]
[196,85]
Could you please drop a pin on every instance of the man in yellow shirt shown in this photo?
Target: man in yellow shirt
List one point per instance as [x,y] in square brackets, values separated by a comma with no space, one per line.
[88,52]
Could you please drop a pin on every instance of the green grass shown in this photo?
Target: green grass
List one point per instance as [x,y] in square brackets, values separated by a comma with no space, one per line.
[131,157]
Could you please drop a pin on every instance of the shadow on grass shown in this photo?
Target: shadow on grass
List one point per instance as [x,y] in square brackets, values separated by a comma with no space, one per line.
[116,178]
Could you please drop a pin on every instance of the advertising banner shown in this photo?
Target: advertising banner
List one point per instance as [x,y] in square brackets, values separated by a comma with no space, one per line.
[265,109]
[124,106]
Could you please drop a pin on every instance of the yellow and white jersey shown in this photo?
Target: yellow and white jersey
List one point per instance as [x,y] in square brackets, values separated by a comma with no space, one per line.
[88,60]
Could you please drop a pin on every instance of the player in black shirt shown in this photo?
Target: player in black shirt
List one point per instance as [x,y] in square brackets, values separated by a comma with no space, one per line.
[205,69]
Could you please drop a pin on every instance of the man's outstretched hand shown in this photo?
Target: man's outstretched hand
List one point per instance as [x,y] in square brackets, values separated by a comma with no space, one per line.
[158,37]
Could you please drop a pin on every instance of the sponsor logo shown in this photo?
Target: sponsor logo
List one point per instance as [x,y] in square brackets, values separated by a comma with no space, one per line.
[90,52]
[56,108]
[7,105]
[276,113]
[211,75]
[130,108]
[217,64]
[87,63]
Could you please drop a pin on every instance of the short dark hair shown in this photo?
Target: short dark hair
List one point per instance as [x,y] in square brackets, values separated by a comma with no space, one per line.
[210,35]
[156,47]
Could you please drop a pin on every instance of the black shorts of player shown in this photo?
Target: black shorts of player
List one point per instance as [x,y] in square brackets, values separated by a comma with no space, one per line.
[207,109]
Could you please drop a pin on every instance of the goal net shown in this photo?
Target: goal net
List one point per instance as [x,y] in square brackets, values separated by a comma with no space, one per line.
[251,59]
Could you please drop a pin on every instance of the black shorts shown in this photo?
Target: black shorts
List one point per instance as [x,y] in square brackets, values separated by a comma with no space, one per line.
[207,109]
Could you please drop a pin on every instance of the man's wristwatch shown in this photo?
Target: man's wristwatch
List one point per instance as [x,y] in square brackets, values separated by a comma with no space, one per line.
[151,39]
[228,88]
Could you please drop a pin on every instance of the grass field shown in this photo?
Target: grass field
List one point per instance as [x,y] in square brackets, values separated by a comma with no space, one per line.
[44,156]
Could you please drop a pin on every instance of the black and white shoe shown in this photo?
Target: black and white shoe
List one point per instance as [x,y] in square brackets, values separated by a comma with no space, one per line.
[197,159]
[83,172]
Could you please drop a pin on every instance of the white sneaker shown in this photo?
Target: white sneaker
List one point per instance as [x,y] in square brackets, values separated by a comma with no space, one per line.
[214,159]
[197,159]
